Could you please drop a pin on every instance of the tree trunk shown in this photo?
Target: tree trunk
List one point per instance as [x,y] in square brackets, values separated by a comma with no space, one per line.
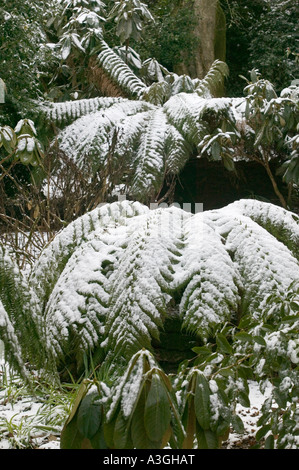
[210,34]
[205,11]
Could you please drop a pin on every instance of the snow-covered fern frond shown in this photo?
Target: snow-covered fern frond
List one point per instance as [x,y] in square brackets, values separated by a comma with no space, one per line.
[119,71]
[265,264]
[55,256]
[141,286]
[184,112]
[74,301]
[19,314]
[13,350]
[66,112]
[77,307]
[281,223]
[150,161]
[210,278]
[214,79]
[87,140]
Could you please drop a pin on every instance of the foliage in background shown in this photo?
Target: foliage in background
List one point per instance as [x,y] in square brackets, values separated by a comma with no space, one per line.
[261,34]
[267,132]
[278,57]
[23,62]
[171,36]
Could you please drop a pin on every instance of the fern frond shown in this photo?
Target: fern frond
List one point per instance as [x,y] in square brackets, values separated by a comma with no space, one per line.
[76,309]
[13,350]
[72,300]
[266,265]
[119,72]
[66,112]
[110,280]
[141,286]
[150,159]
[87,141]
[214,79]
[210,279]
[54,257]
[20,314]
[281,223]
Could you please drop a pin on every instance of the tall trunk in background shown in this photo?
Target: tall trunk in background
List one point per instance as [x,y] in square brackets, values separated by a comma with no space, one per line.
[209,34]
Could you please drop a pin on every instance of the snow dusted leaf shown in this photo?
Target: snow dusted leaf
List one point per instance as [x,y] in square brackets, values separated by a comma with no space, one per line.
[150,161]
[265,264]
[118,70]
[141,284]
[211,280]
[87,140]
[68,111]
[126,391]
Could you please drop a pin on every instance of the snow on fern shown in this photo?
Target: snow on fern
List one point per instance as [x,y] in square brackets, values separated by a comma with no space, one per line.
[87,140]
[281,223]
[10,339]
[68,111]
[141,285]
[119,71]
[109,280]
[77,306]
[265,264]
[212,281]
[53,259]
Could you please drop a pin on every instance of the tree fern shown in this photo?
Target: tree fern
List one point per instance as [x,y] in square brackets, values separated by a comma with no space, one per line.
[109,282]
[150,141]
[173,127]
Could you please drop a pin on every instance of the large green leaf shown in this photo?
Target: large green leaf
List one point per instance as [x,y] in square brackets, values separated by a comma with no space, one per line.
[89,416]
[157,410]
[139,436]
[207,439]
[201,401]
[121,429]
[70,437]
